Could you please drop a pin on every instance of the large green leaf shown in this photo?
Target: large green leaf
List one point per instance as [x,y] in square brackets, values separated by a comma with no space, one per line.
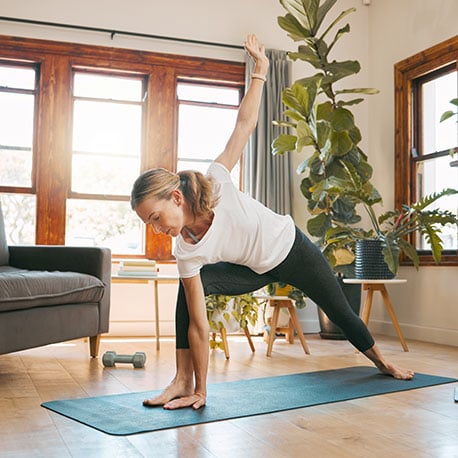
[335,71]
[340,143]
[410,251]
[342,119]
[318,225]
[391,256]
[307,54]
[323,10]
[339,18]
[311,12]
[429,199]
[339,34]
[284,143]
[359,90]
[294,28]
[305,136]
[296,9]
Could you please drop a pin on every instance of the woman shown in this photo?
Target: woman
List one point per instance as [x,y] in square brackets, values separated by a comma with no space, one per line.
[228,243]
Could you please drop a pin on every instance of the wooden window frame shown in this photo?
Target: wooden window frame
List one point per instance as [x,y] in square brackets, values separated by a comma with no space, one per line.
[52,141]
[406,73]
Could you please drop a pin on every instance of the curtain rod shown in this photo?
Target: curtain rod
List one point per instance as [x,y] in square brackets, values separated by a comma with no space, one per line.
[112,32]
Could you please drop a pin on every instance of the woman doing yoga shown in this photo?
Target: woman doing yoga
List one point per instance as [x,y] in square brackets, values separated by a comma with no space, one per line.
[228,243]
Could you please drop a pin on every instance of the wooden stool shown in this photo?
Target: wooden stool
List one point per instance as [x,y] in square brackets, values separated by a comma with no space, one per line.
[226,345]
[279,302]
[379,285]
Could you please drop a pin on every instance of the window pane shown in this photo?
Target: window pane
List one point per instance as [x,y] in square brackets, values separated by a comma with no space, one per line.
[107,87]
[432,176]
[17,77]
[106,147]
[208,94]
[436,95]
[19,212]
[202,167]
[16,139]
[104,223]
[203,131]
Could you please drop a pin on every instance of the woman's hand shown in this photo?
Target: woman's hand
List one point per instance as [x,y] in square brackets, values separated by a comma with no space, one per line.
[258,53]
[196,401]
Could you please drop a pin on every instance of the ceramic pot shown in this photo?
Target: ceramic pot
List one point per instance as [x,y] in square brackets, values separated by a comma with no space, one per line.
[369,262]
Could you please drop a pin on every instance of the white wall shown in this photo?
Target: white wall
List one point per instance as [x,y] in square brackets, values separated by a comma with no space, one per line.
[427,307]
[381,34]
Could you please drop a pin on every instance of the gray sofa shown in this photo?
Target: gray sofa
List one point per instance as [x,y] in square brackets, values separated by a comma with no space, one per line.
[51,294]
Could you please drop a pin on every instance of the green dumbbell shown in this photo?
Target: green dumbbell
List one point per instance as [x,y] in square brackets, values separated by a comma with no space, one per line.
[110,358]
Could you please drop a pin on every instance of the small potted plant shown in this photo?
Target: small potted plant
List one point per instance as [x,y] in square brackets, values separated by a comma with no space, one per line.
[390,231]
[230,313]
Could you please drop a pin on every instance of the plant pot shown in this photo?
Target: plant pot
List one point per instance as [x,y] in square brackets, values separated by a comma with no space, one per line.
[329,330]
[369,262]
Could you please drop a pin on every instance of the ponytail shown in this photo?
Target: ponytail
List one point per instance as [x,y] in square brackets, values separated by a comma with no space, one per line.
[197,189]
[159,183]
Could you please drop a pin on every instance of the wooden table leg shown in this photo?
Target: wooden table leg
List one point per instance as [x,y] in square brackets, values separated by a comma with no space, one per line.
[225,344]
[273,328]
[394,320]
[297,327]
[367,303]
[248,336]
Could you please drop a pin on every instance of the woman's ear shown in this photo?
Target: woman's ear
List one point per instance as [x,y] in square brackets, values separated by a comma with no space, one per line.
[177,197]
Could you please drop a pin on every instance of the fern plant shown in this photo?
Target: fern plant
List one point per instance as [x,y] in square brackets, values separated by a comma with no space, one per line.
[393,227]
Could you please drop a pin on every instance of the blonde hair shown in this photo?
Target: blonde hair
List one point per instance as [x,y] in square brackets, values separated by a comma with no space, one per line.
[159,183]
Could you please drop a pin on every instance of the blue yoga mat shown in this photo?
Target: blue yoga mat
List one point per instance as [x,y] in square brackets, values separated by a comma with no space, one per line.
[124,414]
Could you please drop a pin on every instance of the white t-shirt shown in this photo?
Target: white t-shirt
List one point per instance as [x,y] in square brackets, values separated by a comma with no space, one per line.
[243,232]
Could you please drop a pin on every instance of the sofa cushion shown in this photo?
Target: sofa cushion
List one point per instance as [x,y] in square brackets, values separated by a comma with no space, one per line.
[4,255]
[21,289]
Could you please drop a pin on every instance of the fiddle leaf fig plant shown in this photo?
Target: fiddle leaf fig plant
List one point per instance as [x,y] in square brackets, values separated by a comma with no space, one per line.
[321,124]
[336,171]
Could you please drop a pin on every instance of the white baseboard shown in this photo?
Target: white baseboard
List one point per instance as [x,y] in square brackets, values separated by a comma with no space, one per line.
[423,333]
[140,329]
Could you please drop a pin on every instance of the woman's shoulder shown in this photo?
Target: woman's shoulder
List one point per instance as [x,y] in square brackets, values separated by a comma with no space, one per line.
[219,172]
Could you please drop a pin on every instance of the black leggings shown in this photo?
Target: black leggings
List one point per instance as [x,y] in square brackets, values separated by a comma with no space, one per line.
[305,267]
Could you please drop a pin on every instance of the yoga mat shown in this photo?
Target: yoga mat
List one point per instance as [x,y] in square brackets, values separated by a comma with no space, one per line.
[124,414]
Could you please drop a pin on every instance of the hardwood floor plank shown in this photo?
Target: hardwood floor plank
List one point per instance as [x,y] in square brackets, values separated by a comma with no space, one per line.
[420,423]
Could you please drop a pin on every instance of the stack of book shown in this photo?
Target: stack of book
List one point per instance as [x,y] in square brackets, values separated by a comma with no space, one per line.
[137,268]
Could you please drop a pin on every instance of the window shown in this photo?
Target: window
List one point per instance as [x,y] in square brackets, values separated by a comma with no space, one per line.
[17,108]
[206,118]
[425,84]
[78,125]
[107,123]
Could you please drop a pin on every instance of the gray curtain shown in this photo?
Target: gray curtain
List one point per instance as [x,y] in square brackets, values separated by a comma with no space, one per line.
[266,177]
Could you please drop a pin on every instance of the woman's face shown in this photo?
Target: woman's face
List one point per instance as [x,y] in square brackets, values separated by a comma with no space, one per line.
[166,216]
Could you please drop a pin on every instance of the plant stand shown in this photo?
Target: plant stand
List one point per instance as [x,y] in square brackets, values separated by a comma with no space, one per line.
[223,333]
[278,302]
[379,285]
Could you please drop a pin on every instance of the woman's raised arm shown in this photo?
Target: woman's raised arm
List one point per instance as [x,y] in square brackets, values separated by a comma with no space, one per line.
[247,117]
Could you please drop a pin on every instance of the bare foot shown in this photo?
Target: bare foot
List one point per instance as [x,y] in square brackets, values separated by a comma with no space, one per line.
[396,372]
[176,389]
[385,367]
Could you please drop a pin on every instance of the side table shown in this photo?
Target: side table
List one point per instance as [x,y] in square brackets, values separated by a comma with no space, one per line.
[278,302]
[155,279]
[379,285]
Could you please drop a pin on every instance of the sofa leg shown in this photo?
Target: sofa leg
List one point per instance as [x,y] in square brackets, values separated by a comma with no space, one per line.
[94,343]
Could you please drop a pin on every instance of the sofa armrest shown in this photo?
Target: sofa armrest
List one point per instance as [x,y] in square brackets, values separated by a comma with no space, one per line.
[86,260]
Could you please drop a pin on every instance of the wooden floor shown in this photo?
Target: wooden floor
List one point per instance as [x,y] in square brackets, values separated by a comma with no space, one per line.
[417,423]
